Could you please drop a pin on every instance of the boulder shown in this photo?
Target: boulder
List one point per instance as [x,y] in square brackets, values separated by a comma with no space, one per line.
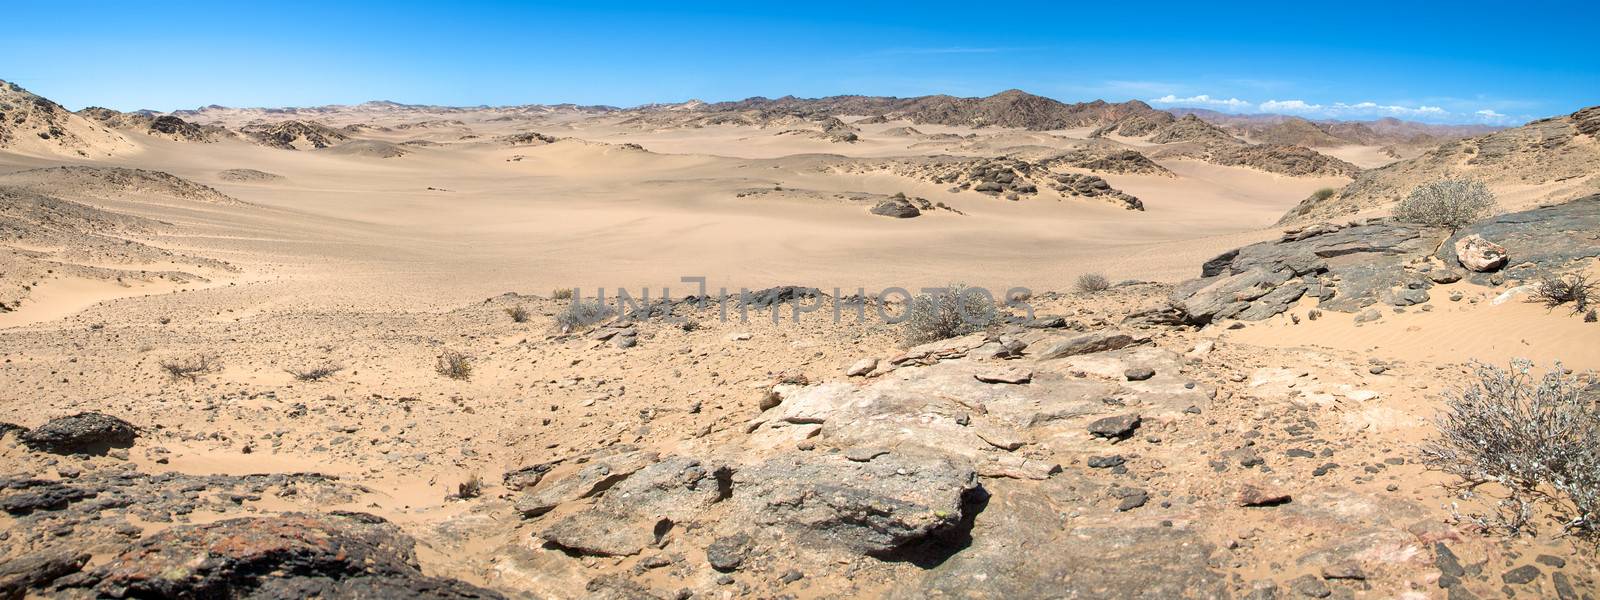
[82,433]
[1480,255]
[899,209]
[873,508]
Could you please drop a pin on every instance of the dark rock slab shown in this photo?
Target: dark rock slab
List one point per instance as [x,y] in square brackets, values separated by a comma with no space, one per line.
[82,433]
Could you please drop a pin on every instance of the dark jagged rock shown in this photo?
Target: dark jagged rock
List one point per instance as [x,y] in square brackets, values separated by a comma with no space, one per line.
[82,433]
[294,555]
[29,495]
[35,571]
[1542,240]
[899,209]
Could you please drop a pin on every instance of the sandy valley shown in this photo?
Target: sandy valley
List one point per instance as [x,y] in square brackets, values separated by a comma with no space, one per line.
[264,302]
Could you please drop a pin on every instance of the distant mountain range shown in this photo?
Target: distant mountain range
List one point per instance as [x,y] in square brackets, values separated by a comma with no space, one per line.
[1289,129]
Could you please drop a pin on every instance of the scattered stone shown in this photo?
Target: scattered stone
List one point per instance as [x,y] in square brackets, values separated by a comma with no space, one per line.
[1310,586]
[1257,495]
[727,553]
[1522,575]
[1119,427]
[1139,373]
[861,367]
[1011,375]
[1106,462]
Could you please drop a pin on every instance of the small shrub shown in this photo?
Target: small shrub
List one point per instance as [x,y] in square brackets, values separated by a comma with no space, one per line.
[471,488]
[583,314]
[1089,283]
[454,365]
[1452,203]
[562,294]
[518,313]
[1575,289]
[1591,317]
[191,367]
[1323,194]
[317,373]
[954,311]
[1538,439]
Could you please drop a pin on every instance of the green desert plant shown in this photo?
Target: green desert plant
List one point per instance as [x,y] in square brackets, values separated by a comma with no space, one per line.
[1536,440]
[1092,282]
[190,367]
[518,313]
[581,314]
[1450,203]
[454,365]
[316,373]
[953,311]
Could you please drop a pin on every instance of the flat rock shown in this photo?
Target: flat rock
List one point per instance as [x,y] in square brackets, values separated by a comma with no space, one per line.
[1012,375]
[1097,341]
[1117,427]
[871,508]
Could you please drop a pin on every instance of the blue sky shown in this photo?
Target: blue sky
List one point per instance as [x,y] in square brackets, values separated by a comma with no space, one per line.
[1440,62]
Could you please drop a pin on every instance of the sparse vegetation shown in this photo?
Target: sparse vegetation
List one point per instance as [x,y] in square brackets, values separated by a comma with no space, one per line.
[1323,194]
[316,373]
[562,294]
[1451,203]
[954,311]
[583,314]
[1575,289]
[454,365]
[1092,282]
[471,488]
[1535,440]
[191,367]
[518,313]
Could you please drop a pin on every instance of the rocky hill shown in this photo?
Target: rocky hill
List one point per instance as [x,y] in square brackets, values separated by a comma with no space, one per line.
[31,124]
[294,135]
[1011,108]
[1288,129]
[1192,137]
[1559,156]
[154,124]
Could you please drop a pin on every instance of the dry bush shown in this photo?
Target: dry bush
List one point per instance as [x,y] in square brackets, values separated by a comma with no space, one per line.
[1092,282]
[1323,194]
[583,314]
[1452,203]
[1575,289]
[953,311]
[1535,438]
[191,367]
[471,488]
[518,313]
[454,365]
[317,373]
[562,294]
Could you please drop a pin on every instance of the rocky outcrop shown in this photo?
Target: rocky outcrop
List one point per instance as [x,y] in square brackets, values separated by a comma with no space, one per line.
[1091,186]
[1106,160]
[900,208]
[82,433]
[333,555]
[1346,268]
[1294,161]
[1540,241]
[1349,268]
[294,135]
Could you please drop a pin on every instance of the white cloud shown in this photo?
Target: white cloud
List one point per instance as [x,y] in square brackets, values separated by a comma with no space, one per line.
[1203,100]
[1358,109]
[1489,114]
